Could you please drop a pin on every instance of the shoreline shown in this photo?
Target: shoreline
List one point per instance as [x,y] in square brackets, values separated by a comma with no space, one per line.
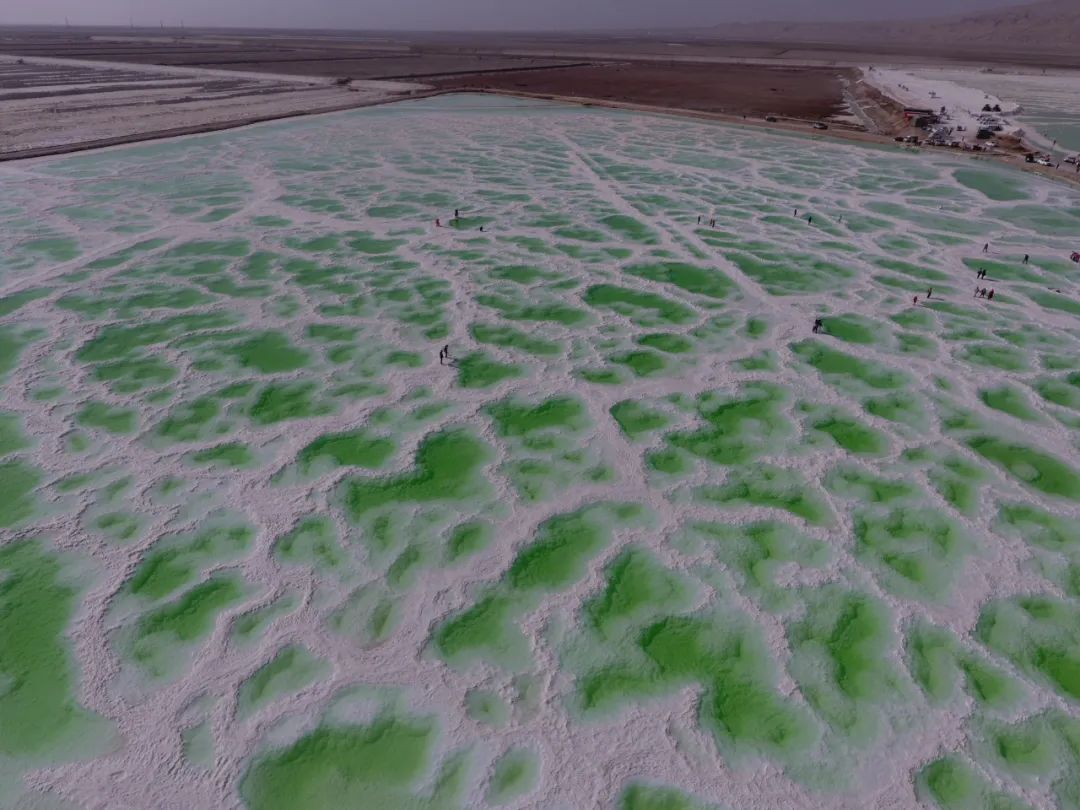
[963,94]
[128,103]
[195,129]
[796,127]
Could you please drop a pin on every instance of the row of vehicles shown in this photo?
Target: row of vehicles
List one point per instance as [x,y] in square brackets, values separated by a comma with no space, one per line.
[1048,160]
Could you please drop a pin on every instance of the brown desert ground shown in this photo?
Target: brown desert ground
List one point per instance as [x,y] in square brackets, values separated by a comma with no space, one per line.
[1037,30]
[729,89]
[65,89]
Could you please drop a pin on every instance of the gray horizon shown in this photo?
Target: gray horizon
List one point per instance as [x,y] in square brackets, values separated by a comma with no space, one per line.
[471,15]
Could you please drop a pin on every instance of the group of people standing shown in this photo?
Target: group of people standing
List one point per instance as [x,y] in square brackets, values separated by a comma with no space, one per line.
[438,221]
[929,295]
[819,326]
[982,292]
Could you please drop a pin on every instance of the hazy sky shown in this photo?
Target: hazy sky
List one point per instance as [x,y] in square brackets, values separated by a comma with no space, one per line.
[469,14]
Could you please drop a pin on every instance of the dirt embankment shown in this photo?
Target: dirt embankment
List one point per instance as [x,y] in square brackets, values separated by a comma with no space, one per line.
[886,113]
[730,89]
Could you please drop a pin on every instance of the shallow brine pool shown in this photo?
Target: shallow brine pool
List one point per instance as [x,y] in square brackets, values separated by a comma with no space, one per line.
[645,539]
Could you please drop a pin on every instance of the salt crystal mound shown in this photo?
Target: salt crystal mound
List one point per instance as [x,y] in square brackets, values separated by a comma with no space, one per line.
[1047,112]
[648,541]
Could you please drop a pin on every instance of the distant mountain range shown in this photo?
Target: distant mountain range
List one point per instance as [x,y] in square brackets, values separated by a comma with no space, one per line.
[1045,25]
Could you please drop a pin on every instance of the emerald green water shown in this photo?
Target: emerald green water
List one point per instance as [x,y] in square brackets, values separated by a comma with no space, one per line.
[643,540]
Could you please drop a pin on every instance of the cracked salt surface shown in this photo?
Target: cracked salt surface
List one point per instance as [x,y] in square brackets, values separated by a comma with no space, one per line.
[646,542]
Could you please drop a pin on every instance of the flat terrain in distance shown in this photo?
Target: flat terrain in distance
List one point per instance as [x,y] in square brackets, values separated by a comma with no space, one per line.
[695,71]
[280,52]
[376,55]
[709,79]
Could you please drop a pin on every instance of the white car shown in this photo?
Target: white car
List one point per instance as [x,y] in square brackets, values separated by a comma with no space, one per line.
[1070,159]
[1044,162]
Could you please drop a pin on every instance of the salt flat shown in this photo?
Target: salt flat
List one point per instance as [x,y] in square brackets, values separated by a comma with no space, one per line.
[1039,107]
[56,105]
[1048,101]
[646,541]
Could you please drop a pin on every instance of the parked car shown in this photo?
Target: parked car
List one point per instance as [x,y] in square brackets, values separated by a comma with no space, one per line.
[820,125]
[771,119]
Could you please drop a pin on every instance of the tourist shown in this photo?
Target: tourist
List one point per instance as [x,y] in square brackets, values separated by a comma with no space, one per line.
[438,224]
[990,296]
[818,326]
[915,300]
[930,292]
[1027,258]
[986,248]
